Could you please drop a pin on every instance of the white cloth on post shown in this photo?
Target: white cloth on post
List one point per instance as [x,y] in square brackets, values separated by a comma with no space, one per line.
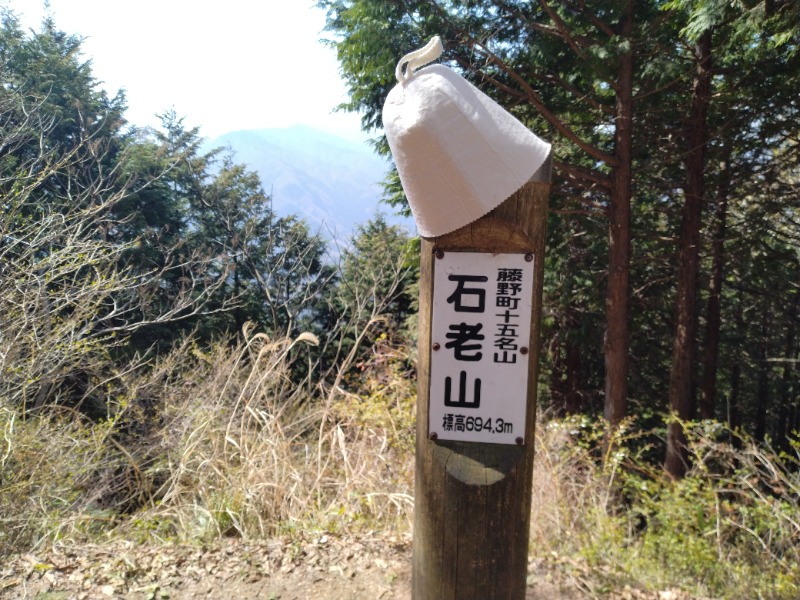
[459,153]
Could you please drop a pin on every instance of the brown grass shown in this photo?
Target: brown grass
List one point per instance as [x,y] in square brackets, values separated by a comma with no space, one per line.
[235,447]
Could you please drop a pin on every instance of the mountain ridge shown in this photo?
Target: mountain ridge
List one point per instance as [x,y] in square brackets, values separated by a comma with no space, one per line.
[332,182]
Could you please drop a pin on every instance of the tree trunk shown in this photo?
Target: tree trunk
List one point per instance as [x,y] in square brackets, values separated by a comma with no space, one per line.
[762,379]
[681,401]
[238,316]
[734,413]
[572,399]
[558,376]
[619,242]
[784,408]
[708,397]
[565,384]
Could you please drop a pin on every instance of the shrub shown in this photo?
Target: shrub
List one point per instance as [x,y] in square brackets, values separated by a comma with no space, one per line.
[251,453]
[58,474]
[730,528]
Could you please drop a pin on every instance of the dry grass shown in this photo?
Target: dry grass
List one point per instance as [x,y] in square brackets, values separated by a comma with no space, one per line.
[247,452]
[729,529]
[574,496]
[235,446]
[50,477]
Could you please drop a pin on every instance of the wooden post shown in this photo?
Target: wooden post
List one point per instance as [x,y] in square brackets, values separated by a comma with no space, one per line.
[473,500]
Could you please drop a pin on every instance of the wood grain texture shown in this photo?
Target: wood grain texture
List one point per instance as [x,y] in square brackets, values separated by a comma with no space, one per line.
[472,500]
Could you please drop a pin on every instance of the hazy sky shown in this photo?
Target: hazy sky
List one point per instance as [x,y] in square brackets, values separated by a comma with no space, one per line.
[223,65]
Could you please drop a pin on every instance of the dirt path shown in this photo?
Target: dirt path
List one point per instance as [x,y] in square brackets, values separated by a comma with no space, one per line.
[322,567]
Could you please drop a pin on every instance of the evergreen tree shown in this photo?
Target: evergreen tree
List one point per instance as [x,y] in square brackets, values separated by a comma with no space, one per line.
[374,299]
[46,69]
[566,71]
[682,105]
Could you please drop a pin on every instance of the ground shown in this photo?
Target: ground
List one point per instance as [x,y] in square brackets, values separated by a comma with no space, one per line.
[322,567]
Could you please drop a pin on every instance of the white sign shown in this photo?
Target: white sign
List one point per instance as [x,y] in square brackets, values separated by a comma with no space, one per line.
[481,329]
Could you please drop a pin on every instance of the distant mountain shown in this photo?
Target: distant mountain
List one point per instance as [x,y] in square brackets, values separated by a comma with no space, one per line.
[332,182]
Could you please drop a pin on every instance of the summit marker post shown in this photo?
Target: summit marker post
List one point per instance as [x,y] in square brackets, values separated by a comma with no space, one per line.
[477,181]
[473,491]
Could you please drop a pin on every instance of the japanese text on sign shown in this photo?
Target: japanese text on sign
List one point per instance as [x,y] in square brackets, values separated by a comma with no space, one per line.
[480,334]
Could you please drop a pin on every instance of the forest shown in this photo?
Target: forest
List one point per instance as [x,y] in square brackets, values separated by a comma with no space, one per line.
[179,362]
[672,236]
